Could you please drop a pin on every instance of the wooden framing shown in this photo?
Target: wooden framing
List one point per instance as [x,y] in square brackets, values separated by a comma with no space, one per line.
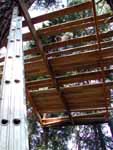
[45,60]
[69,26]
[60,13]
[75,73]
[85,119]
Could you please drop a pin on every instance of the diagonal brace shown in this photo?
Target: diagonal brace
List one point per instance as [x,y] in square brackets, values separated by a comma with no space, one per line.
[45,60]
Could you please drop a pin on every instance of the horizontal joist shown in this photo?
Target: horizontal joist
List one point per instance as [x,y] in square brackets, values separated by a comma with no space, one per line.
[55,107]
[72,62]
[82,57]
[79,40]
[90,109]
[82,48]
[85,121]
[89,47]
[97,75]
[81,97]
[76,90]
[72,25]
[60,13]
[82,119]
[69,26]
[32,51]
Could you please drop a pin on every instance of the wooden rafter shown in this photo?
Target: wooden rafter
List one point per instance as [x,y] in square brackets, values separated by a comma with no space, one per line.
[100,57]
[46,62]
[69,26]
[83,119]
[73,72]
[59,13]
[34,107]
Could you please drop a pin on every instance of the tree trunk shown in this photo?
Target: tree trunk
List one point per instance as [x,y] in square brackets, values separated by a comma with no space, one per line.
[96,137]
[46,137]
[102,142]
[111,125]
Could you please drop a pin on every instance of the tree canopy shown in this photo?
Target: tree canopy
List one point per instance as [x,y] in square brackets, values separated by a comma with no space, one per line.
[45,3]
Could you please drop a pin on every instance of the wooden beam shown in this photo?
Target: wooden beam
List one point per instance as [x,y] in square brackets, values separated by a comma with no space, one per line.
[78,97]
[74,63]
[100,56]
[80,77]
[86,121]
[31,68]
[40,47]
[104,44]
[79,49]
[60,13]
[90,47]
[80,119]
[81,40]
[72,25]
[69,26]
[35,109]
[83,58]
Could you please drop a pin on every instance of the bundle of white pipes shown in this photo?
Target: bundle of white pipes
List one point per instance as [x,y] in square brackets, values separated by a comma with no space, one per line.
[13,124]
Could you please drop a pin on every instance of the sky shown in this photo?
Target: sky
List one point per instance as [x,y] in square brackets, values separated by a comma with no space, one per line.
[37,12]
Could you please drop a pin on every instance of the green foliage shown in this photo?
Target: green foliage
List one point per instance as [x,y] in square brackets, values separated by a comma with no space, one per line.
[58,138]
[45,3]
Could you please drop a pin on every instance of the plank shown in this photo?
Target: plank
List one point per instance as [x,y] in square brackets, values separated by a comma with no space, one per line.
[60,13]
[79,40]
[83,119]
[73,108]
[79,49]
[73,62]
[82,48]
[35,84]
[45,60]
[81,58]
[69,26]
[90,96]
[37,68]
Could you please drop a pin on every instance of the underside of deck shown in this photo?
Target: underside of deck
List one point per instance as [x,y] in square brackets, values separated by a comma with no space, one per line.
[69,82]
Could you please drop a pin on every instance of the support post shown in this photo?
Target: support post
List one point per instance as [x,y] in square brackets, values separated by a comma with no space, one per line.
[45,60]
[13,126]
